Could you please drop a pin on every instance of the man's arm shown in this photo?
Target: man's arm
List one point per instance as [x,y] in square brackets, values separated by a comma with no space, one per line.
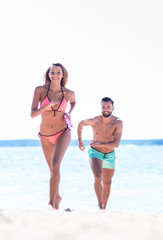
[87,122]
[116,138]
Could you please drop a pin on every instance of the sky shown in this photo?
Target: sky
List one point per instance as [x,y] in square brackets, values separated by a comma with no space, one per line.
[109,48]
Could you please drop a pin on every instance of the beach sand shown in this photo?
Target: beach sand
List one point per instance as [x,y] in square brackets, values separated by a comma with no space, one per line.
[76,225]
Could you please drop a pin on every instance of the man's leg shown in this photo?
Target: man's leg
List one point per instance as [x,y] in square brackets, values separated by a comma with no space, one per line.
[107,177]
[96,166]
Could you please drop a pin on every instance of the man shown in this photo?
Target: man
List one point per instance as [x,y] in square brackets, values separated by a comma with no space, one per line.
[107,131]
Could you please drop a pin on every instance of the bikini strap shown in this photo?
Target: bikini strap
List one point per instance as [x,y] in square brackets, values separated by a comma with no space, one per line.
[62,91]
[48,90]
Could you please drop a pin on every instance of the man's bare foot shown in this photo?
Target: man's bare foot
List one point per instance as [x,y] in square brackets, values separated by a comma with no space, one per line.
[57,202]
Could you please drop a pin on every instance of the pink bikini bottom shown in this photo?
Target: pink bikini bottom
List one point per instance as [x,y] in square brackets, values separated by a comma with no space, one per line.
[53,138]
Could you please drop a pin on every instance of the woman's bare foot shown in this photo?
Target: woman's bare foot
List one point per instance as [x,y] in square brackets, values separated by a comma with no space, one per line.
[51,204]
[101,206]
[57,202]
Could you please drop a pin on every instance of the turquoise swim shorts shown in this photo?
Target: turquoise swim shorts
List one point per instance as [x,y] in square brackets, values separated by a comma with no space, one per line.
[108,159]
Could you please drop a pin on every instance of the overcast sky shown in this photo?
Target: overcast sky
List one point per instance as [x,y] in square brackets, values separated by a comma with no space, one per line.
[110,48]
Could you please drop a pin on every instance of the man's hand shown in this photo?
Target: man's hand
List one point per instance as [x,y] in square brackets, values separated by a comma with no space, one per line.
[94,143]
[81,146]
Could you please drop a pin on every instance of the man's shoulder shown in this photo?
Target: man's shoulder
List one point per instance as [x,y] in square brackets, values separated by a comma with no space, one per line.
[93,120]
[96,121]
[117,120]
[97,118]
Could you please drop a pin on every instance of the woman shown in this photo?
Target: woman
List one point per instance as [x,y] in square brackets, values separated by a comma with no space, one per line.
[54,133]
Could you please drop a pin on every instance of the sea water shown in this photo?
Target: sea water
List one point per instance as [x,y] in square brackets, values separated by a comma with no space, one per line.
[137,184]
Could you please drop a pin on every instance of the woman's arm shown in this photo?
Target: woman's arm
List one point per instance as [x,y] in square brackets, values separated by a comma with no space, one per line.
[36,99]
[71,99]
[72,102]
[35,111]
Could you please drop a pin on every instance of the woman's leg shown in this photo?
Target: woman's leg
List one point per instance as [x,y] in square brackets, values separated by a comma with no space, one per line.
[60,148]
[48,149]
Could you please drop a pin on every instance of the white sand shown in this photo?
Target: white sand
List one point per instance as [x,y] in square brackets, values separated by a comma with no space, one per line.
[77,225]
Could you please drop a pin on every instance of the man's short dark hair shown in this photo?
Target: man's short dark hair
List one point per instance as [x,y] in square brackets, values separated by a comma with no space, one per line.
[107,99]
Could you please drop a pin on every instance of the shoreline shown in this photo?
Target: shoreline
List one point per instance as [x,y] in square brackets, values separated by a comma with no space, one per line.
[47,224]
[74,142]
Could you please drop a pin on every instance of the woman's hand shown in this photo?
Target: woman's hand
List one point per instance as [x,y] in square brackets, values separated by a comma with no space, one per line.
[67,116]
[53,103]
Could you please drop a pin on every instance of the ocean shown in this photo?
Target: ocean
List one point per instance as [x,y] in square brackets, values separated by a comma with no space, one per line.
[137,184]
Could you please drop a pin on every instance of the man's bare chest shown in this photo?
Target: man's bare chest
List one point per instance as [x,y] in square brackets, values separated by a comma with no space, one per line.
[104,130]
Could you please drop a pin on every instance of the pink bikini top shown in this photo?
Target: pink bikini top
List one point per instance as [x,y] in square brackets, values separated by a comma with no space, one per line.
[62,106]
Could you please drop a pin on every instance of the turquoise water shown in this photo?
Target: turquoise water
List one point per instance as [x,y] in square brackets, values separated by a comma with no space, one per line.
[137,183]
